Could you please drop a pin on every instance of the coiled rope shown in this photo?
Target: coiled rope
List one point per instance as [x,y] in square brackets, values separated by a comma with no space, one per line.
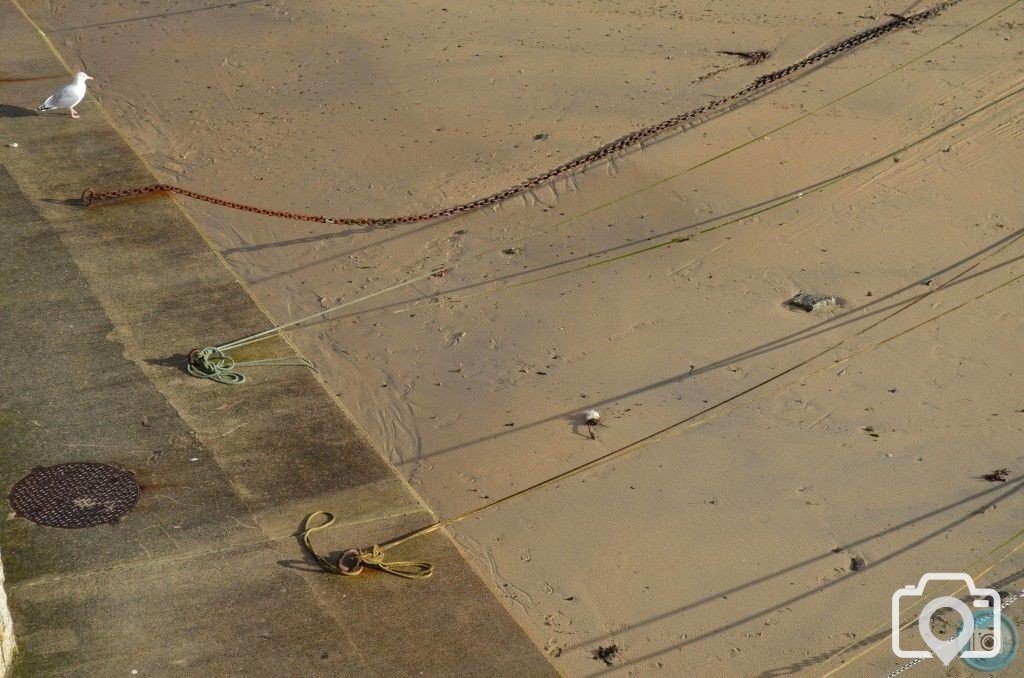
[214,364]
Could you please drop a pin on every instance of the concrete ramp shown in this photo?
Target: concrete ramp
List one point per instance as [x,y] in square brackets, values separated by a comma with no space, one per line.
[204,576]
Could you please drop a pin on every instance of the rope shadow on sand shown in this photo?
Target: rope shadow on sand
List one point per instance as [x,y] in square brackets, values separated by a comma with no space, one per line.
[848,317]
[683,129]
[728,217]
[1006,493]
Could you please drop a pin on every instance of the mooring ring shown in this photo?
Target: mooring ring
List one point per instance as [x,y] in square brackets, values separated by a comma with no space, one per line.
[87,196]
[350,563]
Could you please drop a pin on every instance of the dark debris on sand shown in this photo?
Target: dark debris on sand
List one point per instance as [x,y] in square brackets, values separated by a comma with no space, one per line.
[1000,475]
[607,654]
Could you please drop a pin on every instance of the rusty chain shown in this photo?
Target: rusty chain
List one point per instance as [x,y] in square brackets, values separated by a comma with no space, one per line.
[91,197]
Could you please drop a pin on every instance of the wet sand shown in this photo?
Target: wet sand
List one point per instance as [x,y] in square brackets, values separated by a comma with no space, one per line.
[722,550]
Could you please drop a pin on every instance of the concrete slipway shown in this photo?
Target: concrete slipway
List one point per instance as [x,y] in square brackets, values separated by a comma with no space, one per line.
[205,575]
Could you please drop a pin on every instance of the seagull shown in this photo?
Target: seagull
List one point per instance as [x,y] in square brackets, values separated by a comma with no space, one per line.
[68,96]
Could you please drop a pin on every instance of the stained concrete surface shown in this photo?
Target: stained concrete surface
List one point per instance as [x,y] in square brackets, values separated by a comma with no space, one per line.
[204,576]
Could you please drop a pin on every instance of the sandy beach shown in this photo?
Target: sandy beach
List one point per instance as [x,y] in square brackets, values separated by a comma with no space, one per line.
[766,536]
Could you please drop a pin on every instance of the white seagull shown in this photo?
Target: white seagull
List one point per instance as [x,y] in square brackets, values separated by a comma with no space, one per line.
[68,96]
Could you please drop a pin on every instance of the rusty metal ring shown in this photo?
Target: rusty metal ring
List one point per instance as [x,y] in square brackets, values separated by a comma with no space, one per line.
[350,563]
[87,196]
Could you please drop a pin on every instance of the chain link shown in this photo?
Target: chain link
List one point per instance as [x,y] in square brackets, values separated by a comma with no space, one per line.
[91,197]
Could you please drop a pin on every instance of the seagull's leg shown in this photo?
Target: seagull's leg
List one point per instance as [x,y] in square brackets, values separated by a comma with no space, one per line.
[74,113]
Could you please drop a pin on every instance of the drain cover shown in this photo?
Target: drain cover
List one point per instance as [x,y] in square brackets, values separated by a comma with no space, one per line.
[75,495]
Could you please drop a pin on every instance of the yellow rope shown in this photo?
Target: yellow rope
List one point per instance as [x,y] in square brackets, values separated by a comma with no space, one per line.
[375,556]
[352,562]
[1019,536]
[376,552]
[410,569]
[308,529]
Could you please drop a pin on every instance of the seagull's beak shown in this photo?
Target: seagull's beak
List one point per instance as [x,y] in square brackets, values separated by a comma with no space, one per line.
[89,77]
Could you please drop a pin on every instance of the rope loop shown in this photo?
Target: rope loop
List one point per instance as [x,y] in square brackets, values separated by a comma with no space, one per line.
[352,561]
[212,363]
[407,569]
[308,529]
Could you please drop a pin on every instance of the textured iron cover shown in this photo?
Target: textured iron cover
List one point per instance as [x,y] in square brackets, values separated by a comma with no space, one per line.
[75,495]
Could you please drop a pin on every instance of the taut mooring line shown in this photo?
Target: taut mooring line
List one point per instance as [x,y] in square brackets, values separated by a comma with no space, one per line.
[748,213]
[353,561]
[213,362]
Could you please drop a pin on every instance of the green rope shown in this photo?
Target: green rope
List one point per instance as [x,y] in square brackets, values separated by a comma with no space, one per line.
[214,364]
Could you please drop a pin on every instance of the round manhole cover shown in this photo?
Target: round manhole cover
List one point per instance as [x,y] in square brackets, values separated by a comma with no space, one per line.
[75,495]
